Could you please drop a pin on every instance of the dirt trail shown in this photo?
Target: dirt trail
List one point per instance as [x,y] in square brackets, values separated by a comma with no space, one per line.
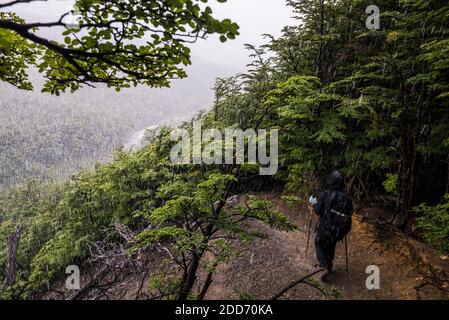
[408,268]
[274,262]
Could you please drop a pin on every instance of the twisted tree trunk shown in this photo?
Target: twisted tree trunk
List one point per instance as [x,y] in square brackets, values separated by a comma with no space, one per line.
[189,279]
[11,263]
[206,286]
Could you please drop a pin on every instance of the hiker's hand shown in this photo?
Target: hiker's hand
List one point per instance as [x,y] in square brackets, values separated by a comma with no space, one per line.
[313,200]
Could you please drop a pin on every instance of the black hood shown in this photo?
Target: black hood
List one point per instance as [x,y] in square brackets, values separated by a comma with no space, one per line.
[336,181]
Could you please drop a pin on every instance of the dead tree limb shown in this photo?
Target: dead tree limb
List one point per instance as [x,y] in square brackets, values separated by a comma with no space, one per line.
[125,232]
[303,279]
[144,278]
[11,263]
[316,287]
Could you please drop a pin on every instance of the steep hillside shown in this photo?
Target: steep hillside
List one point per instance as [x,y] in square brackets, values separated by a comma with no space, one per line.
[408,268]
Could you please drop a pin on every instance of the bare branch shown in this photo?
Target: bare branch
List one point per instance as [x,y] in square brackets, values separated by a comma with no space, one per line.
[15,2]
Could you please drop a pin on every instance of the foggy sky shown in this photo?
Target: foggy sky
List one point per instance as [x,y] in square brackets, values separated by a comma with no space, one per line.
[255,17]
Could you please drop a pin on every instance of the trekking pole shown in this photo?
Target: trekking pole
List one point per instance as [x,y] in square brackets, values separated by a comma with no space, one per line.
[309,231]
[346,250]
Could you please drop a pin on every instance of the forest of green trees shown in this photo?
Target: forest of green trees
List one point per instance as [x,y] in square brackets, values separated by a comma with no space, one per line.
[47,138]
[375,102]
[56,140]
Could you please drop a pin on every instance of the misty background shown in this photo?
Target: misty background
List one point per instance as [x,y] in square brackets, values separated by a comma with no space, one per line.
[46,137]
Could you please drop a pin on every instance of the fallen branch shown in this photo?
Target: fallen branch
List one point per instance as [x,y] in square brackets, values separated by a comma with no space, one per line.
[316,287]
[302,280]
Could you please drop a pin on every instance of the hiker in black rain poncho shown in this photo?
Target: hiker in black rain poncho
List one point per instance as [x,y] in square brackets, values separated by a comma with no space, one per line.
[335,211]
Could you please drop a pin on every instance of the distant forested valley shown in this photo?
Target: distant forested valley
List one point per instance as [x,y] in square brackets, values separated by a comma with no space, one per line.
[46,138]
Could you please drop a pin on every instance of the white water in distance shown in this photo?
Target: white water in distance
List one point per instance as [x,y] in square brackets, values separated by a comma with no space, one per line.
[138,139]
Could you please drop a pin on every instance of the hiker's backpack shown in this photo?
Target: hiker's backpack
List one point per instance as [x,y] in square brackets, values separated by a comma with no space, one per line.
[337,217]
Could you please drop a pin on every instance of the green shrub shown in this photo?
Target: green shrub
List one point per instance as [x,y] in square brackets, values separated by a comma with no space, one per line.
[434,222]
[245,296]
[391,183]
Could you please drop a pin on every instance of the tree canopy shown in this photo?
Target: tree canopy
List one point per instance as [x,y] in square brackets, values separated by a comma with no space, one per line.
[116,42]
